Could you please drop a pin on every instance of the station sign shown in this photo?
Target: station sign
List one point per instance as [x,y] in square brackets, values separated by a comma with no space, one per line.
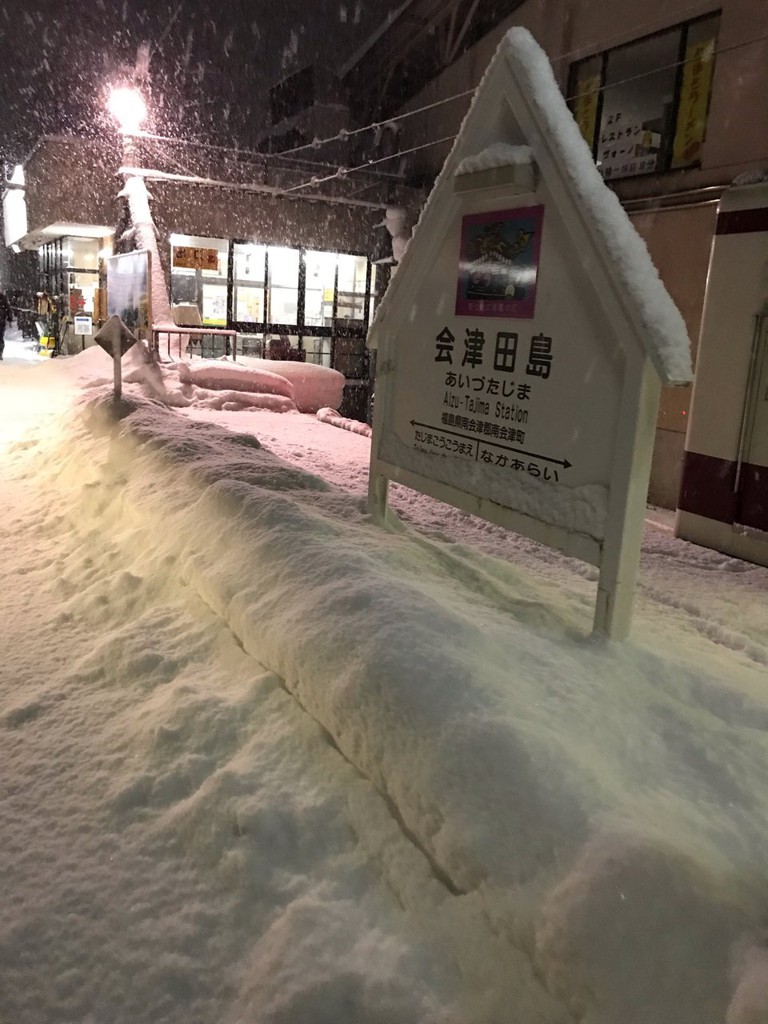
[519,369]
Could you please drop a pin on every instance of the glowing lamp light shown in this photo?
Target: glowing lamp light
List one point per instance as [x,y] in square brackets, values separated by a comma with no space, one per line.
[128,108]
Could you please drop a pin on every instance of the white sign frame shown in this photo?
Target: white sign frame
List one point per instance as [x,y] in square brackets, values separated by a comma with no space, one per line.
[505,110]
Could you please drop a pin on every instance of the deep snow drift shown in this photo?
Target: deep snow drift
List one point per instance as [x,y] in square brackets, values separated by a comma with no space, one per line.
[264,761]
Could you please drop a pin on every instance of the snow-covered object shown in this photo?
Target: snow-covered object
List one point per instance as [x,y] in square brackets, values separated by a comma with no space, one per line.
[284,766]
[666,335]
[313,386]
[220,375]
[145,237]
[331,416]
[396,223]
[240,401]
[500,154]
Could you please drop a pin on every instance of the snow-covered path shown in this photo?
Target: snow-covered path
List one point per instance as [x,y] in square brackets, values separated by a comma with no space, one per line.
[263,761]
[180,840]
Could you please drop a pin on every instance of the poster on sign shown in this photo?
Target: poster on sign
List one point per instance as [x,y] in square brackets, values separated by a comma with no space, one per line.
[498,261]
[129,285]
[523,341]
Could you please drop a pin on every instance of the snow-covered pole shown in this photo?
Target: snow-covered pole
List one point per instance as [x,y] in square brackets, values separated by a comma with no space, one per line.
[127,106]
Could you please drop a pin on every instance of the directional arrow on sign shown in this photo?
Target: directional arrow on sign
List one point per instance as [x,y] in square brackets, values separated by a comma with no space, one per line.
[495,444]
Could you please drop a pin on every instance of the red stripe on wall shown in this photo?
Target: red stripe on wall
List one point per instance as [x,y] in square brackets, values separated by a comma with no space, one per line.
[707,487]
[736,222]
[707,490]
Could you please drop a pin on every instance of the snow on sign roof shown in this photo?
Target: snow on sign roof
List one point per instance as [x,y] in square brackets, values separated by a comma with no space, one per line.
[545,124]
[665,333]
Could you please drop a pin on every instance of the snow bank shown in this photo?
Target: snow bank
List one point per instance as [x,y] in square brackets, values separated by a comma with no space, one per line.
[605,821]
[286,765]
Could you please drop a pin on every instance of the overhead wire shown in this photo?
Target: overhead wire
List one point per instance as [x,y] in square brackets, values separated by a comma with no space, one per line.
[345,133]
[343,172]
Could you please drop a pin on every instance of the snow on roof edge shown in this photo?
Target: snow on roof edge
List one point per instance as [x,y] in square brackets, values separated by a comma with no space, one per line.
[667,342]
[666,336]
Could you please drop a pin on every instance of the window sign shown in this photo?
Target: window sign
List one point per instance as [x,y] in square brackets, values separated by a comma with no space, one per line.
[587,82]
[193,258]
[215,305]
[652,117]
[694,96]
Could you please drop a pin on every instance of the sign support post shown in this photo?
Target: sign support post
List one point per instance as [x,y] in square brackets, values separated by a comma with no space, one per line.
[117,359]
[620,560]
[115,338]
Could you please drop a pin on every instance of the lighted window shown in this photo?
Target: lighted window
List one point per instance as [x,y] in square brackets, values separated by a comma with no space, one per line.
[353,279]
[283,285]
[199,277]
[320,287]
[249,279]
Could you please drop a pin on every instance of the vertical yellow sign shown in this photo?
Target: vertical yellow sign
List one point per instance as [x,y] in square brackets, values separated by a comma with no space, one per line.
[585,106]
[694,102]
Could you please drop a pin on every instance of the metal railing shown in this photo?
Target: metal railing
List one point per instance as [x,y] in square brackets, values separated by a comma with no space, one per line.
[188,339]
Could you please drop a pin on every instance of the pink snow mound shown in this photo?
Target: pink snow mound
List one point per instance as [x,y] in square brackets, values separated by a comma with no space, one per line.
[313,386]
[241,401]
[332,417]
[224,376]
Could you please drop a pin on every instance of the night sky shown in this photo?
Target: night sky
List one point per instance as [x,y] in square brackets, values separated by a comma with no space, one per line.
[209,75]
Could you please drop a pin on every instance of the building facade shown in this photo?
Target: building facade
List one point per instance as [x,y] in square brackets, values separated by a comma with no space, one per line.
[671,100]
[282,261]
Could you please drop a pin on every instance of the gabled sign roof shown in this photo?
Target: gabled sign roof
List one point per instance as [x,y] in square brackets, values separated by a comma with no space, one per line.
[520,83]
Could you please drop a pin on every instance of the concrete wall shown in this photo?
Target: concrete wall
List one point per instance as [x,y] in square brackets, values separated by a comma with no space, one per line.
[73,181]
[194,210]
[679,242]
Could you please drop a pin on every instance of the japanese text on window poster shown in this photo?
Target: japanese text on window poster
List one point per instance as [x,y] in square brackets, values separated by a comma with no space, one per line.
[499,262]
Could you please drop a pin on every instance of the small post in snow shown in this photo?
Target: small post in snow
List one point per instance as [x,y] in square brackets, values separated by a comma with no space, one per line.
[115,338]
[117,359]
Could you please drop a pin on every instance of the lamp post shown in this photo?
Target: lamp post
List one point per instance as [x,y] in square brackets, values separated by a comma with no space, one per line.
[127,106]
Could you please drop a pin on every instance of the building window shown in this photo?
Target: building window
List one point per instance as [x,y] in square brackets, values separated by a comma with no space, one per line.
[199,276]
[284,302]
[642,108]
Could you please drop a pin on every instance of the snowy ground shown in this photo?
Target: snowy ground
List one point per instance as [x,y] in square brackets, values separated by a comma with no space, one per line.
[264,762]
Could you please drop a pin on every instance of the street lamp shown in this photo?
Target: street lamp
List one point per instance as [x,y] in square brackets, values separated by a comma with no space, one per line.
[128,108]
